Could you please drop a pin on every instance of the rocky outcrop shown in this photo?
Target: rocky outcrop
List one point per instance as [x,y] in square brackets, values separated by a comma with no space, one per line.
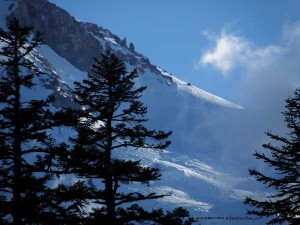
[76,41]
[60,31]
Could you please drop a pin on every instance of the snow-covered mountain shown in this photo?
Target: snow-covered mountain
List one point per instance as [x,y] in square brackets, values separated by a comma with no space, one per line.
[206,166]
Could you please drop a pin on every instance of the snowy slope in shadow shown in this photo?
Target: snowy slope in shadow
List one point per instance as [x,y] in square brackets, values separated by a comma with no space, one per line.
[205,149]
[193,182]
[196,186]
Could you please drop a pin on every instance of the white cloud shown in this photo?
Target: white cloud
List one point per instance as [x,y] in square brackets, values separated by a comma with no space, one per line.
[268,75]
[231,51]
[272,73]
[291,33]
[226,53]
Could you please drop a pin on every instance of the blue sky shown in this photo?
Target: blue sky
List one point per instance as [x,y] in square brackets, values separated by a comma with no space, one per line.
[237,49]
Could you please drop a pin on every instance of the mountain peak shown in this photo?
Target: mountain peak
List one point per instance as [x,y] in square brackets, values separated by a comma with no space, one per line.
[194,115]
[79,42]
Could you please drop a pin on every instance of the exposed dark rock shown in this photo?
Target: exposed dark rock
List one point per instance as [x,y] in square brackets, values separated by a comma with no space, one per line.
[124,43]
[60,31]
[76,41]
[131,47]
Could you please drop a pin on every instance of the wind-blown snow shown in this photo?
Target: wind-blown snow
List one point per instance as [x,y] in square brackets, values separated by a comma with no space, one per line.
[181,199]
[187,87]
[193,184]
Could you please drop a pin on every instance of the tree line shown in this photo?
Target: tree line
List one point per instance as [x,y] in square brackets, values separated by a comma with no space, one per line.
[110,117]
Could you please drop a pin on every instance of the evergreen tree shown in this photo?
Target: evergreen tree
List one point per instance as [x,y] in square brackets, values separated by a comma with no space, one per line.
[28,153]
[113,119]
[284,158]
[135,213]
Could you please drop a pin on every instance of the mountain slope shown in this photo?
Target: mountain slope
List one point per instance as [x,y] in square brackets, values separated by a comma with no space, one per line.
[201,146]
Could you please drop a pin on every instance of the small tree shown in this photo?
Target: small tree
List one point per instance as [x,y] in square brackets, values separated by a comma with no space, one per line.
[28,153]
[284,205]
[113,119]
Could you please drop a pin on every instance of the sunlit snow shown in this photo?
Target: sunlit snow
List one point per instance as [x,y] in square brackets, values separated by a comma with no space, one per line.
[191,166]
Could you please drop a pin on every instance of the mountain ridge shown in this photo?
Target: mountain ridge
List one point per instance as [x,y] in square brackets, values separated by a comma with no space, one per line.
[69,38]
[190,166]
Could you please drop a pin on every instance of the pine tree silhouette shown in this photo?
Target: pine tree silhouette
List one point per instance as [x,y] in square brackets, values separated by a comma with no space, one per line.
[28,153]
[112,119]
[284,205]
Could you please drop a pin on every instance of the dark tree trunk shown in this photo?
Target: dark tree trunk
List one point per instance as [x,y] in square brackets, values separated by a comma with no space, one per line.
[17,155]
